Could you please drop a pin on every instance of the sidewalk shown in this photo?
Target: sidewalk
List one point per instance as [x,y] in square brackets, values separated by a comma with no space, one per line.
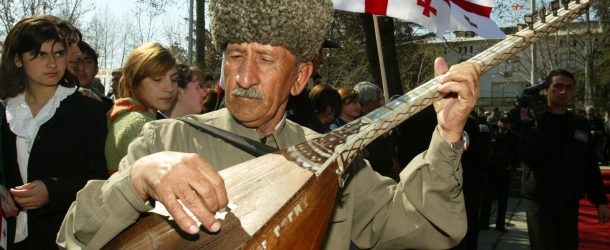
[516,238]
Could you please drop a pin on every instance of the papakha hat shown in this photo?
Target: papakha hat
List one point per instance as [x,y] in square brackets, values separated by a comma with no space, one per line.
[297,25]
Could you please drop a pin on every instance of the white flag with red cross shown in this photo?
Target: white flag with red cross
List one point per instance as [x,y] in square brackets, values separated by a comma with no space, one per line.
[474,15]
[438,16]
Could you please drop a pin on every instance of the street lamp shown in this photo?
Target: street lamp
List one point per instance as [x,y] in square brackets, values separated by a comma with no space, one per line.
[542,14]
[555,7]
[529,20]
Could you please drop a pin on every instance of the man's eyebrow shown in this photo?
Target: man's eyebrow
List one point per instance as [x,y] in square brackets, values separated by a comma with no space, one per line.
[263,50]
[236,49]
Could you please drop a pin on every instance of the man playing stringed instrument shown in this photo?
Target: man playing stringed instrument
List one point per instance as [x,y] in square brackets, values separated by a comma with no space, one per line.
[269,47]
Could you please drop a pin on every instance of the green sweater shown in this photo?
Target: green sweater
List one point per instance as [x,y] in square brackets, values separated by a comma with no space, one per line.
[125,122]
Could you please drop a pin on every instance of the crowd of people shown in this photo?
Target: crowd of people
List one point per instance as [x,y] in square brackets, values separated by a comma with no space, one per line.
[60,129]
[80,165]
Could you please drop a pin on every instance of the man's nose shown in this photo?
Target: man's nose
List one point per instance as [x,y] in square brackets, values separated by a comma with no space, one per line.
[247,75]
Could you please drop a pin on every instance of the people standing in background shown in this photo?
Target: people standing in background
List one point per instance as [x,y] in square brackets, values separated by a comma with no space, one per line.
[350,108]
[189,95]
[86,69]
[116,77]
[72,37]
[560,168]
[382,152]
[148,84]
[299,108]
[504,159]
[597,133]
[52,135]
[326,103]
[475,161]
[370,96]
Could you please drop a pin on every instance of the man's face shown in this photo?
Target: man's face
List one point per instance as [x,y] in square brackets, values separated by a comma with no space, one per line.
[589,110]
[560,92]
[380,101]
[115,84]
[73,52]
[259,79]
[86,69]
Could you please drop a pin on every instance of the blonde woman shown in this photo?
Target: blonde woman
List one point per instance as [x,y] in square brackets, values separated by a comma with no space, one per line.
[148,84]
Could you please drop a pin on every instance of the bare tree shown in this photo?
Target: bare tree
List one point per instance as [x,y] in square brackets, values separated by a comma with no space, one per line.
[13,11]
[176,39]
[101,33]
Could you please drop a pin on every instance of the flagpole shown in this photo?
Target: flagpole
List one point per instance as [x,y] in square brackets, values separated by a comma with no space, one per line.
[384,81]
[533,50]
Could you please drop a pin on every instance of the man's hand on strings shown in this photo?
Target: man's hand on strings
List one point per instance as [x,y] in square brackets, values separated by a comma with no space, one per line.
[171,176]
[461,86]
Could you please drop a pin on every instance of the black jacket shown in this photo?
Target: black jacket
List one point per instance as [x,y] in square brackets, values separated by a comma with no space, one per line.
[563,175]
[67,152]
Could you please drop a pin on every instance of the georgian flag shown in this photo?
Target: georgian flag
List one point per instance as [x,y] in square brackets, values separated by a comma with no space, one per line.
[438,16]
[474,15]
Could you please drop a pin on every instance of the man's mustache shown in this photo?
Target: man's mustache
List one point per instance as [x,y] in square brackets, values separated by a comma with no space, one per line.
[248,93]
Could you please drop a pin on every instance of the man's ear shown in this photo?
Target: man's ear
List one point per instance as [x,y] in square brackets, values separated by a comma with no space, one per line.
[304,71]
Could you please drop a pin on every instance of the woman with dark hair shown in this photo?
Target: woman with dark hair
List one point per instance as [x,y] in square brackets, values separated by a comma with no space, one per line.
[350,110]
[190,94]
[52,135]
[326,104]
[147,85]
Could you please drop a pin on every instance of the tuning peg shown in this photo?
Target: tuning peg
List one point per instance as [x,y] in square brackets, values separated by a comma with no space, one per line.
[529,20]
[542,14]
[555,7]
[565,4]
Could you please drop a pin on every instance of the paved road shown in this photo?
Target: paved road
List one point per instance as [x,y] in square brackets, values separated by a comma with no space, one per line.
[516,238]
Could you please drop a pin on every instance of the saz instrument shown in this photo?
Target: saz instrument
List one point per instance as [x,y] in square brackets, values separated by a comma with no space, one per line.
[284,199]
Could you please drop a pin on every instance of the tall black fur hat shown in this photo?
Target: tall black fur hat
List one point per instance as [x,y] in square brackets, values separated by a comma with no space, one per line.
[297,25]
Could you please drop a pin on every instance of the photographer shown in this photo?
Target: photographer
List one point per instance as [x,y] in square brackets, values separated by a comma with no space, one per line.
[529,105]
[560,167]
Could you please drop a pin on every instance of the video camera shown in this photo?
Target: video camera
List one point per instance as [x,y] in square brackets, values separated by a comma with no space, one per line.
[535,102]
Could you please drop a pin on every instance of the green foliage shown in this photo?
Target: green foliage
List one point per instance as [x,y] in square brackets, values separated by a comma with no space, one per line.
[213,57]
[349,65]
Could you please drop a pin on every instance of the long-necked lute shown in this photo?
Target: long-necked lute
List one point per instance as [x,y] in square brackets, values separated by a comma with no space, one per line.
[284,199]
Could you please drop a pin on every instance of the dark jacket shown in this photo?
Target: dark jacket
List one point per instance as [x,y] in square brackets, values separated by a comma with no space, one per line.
[563,175]
[505,150]
[67,152]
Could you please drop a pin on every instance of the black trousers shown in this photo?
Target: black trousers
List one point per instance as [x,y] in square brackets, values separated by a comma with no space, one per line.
[552,225]
[498,187]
